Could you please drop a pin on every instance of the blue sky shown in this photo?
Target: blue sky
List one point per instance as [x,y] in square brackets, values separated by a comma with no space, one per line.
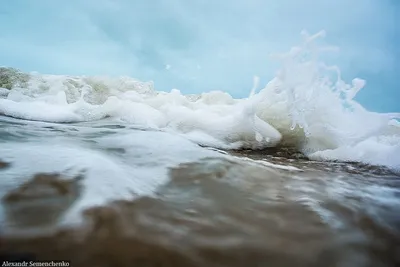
[209,45]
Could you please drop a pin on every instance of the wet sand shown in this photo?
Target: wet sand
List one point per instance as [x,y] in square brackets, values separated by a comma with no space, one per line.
[215,212]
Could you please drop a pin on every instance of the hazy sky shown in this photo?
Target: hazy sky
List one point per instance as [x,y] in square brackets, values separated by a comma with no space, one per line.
[202,45]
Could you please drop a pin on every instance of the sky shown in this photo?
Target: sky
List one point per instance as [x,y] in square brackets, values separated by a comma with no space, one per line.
[202,45]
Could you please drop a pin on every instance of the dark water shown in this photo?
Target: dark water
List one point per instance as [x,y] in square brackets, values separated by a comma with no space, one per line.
[214,210]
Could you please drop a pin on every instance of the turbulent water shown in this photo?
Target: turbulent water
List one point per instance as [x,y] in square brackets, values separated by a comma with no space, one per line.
[298,173]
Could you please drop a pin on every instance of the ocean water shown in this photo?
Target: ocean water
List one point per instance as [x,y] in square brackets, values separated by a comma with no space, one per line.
[207,173]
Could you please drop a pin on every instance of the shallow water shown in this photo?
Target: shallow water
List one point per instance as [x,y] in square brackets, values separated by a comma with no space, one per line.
[153,198]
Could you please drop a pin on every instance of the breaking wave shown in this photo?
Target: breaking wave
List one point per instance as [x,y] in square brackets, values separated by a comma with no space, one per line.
[306,105]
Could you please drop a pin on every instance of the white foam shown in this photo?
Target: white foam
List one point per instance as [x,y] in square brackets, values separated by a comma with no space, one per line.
[4,92]
[306,105]
[374,150]
[268,164]
[107,177]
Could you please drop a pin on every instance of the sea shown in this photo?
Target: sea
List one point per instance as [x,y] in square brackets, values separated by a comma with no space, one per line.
[109,171]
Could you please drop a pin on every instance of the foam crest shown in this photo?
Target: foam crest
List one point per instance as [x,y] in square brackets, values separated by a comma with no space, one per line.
[307,105]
